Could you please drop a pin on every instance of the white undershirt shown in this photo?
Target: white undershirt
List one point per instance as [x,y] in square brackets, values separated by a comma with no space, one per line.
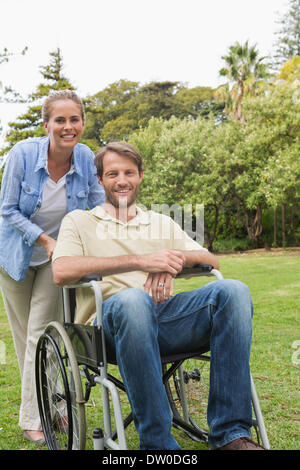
[49,216]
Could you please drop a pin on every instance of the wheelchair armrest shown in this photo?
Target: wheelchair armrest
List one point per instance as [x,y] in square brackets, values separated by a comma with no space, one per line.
[91,277]
[197,270]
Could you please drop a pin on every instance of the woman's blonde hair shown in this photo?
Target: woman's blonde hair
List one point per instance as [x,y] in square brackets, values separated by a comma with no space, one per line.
[60,95]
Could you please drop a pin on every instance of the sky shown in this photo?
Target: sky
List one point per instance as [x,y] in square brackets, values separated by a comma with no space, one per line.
[103,41]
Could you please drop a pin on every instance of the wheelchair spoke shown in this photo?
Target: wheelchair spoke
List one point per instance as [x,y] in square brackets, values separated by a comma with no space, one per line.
[187,390]
[63,419]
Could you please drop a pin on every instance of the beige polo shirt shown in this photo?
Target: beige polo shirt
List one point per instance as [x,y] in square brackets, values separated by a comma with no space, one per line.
[96,233]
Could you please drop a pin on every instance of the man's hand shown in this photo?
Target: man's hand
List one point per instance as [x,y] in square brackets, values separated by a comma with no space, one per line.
[162,266]
[168,261]
[160,286]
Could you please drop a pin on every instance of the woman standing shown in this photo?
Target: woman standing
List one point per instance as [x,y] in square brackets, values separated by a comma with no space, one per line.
[44,178]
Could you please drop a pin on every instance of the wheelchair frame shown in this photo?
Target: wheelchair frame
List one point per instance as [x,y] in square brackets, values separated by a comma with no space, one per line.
[95,359]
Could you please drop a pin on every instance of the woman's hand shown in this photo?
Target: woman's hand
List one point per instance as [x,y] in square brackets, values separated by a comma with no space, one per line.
[48,243]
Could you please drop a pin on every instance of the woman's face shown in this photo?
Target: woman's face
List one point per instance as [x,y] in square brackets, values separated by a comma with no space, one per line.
[65,125]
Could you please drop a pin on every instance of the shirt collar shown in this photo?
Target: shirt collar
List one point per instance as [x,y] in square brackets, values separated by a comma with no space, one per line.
[76,160]
[43,154]
[43,157]
[141,218]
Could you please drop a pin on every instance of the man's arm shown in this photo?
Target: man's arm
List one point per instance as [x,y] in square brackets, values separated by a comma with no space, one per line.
[192,258]
[69,269]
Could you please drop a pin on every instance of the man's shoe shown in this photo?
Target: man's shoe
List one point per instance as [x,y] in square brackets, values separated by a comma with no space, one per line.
[243,443]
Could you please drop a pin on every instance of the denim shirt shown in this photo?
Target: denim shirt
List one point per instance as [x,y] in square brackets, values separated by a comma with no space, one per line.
[22,186]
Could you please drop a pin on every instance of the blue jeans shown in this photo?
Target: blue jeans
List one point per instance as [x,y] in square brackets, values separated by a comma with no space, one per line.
[138,331]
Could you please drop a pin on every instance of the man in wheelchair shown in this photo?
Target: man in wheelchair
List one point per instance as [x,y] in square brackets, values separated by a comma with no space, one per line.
[138,253]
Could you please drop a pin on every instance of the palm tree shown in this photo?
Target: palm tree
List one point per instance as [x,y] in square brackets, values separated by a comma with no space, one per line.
[244,69]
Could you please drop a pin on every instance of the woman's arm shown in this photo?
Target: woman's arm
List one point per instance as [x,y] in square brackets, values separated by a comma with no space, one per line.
[11,188]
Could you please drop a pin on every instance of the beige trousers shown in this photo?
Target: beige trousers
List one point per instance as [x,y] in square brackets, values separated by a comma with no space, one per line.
[30,305]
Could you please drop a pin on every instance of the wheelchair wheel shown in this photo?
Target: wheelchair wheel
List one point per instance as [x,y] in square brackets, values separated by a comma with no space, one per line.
[187,390]
[59,391]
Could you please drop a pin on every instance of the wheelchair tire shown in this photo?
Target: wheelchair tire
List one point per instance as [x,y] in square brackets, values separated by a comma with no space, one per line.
[59,391]
[187,390]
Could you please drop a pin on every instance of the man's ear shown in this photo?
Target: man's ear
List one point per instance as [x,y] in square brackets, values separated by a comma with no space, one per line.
[99,180]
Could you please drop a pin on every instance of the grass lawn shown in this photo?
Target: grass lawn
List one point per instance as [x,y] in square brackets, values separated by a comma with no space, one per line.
[274,282]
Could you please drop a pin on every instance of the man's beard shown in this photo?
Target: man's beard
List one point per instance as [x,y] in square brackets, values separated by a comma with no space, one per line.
[122,202]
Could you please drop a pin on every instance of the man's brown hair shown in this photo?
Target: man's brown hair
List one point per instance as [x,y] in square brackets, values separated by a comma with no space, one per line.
[121,148]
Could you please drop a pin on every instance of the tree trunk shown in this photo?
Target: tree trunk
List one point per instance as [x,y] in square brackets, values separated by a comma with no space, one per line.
[239,107]
[211,236]
[283,218]
[254,223]
[275,228]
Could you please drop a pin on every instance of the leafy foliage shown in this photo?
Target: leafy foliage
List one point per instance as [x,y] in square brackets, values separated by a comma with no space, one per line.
[238,170]
[125,106]
[287,44]
[244,70]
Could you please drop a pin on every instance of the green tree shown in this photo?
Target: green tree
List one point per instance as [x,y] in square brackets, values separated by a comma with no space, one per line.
[287,44]
[186,164]
[30,123]
[198,101]
[53,76]
[124,106]
[156,99]
[240,171]
[244,69]
[5,54]
[290,71]
[111,113]
[266,171]
[7,94]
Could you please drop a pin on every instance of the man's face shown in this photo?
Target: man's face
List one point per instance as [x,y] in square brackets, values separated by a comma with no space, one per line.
[121,180]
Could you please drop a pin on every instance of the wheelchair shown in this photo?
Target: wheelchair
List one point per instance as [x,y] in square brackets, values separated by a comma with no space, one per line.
[71,359]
